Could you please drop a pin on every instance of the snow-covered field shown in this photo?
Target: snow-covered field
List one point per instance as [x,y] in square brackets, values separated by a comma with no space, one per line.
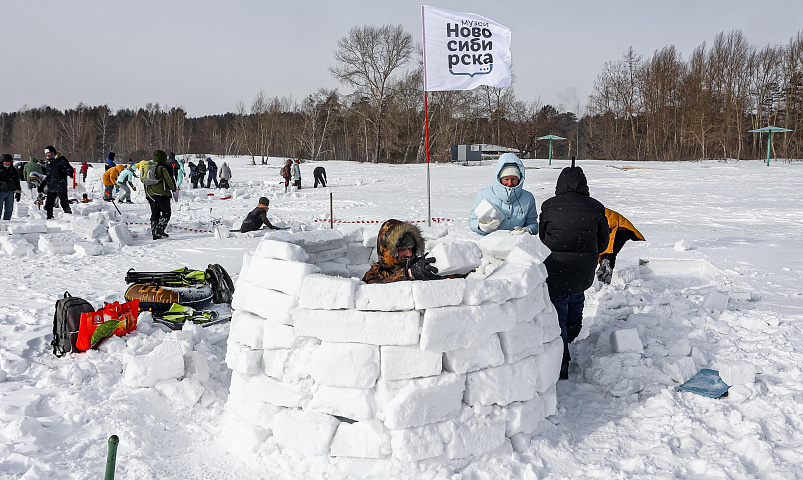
[738,227]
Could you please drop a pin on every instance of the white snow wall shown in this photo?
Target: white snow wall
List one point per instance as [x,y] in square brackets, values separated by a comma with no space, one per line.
[447,368]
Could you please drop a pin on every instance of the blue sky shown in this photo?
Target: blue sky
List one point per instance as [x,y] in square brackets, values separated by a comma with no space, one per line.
[208,55]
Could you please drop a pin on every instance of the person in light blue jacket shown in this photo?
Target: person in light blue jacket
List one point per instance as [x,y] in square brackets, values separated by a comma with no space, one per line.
[515,206]
[124,183]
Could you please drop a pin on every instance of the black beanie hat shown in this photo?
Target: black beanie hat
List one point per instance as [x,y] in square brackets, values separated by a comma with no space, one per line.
[159,156]
[264,201]
[6,157]
[171,156]
[51,149]
[111,155]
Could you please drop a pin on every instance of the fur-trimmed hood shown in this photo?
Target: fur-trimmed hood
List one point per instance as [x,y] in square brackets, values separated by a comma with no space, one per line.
[389,235]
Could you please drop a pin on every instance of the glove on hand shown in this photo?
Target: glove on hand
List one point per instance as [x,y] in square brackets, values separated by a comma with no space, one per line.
[41,188]
[489,226]
[519,231]
[420,268]
[17,196]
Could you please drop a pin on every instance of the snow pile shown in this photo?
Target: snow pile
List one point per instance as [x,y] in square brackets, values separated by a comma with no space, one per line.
[327,365]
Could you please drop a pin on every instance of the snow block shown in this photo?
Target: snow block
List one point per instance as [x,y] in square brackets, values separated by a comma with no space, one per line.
[328,255]
[270,390]
[456,257]
[88,249]
[737,373]
[56,243]
[345,365]
[530,249]
[165,362]
[486,211]
[525,339]
[277,335]
[414,444]
[504,384]
[524,277]
[120,234]
[354,403]
[385,297]
[245,435]
[308,433]
[196,366]
[360,440]
[403,362]
[322,292]
[311,241]
[499,243]
[358,254]
[33,226]
[420,401]
[258,413]
[87,229]
[740,295]
[263,302]
[679,368]
[353,326]
[485,354]
[479,290]
[334,269]
[524,417]
[185,392]
[351,233]
[528,306]
[289,365]
[449,328]
[716,302]
[18,247]
[247,329]
[270,248]
[283,276]
[438,293]
[244,360]
[626,341]
[473,434]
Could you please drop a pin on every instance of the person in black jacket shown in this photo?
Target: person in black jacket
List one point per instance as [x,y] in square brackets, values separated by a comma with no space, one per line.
[573,225]
[201,172]
[9,186]
[258,217]
[58,169]
[320,176]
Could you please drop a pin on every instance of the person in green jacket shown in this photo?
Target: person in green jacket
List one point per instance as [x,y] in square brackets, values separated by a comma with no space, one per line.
[159,188]
[30,167]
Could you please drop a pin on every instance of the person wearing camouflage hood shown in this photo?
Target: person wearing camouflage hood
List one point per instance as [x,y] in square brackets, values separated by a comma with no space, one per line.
[400,248]
[159,194]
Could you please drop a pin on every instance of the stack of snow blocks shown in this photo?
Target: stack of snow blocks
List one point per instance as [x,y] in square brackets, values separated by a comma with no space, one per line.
[327,365]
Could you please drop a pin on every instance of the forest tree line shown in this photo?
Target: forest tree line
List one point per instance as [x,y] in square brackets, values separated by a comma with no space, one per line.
[660,107]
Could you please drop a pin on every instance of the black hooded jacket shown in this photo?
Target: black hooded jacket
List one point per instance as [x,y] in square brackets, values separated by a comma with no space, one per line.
[574,227]
[58,170]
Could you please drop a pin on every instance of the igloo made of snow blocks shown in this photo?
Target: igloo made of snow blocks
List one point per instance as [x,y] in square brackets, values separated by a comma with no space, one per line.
[327,365]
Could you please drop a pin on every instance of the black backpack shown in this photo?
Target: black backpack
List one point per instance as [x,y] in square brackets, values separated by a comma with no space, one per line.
[222,287]
[66,321]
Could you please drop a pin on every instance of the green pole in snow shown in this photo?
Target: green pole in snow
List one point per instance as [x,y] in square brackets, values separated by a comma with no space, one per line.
[769,130]
[550,138]
[769,148]
[111,458]
[550,151]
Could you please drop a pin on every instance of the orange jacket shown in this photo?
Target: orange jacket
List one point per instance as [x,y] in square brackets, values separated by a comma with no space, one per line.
[110,175]
[615,222]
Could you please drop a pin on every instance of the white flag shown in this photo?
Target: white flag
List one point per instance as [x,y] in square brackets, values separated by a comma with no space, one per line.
[463,51]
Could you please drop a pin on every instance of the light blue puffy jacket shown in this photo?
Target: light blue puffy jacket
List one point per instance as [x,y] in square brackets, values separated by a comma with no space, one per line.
[517,204]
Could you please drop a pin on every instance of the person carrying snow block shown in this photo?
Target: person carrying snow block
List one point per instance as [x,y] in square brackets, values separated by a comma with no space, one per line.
[516,205]
[110,180]
[258,217]
[574,227]
[621,231]
[400,248]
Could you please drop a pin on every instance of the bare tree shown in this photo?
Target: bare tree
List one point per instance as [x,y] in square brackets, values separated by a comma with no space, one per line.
[367,59]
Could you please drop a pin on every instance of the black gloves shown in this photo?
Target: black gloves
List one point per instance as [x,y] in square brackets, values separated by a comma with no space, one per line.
[420,268]
[17,196]
[41,188]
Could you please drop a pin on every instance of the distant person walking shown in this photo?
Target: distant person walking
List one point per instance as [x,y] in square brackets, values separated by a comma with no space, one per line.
[201,172]
[85,166]
[10,189]
[287,174]
[55,181]
[225,176]
[296,172]
[320,176]
[211,167]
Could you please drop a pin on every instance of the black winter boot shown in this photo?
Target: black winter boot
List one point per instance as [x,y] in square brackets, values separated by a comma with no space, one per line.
[161,225]
[564,367]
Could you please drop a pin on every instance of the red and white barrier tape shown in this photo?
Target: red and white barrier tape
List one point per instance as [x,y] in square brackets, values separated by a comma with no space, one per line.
[434,219]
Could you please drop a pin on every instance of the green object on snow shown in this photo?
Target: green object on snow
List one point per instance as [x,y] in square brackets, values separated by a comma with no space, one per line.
[104,330]
[769,129]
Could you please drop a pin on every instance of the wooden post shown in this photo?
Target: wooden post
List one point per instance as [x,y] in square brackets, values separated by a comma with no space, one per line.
[331,209]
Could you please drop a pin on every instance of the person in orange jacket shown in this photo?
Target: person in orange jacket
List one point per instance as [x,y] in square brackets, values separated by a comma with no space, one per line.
[621,231]
[110,180]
